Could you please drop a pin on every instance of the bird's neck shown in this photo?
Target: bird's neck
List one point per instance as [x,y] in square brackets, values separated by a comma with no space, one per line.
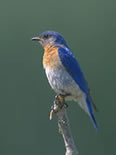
[48,47]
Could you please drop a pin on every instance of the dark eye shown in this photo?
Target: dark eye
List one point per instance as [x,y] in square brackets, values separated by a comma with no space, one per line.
[46,36]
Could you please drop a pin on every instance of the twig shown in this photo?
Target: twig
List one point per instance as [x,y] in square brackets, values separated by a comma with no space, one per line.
[64,127]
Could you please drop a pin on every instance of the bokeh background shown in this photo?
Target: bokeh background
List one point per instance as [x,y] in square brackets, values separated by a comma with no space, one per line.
[89,26]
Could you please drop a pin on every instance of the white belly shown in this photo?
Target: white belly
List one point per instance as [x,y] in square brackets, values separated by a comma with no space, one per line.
[62,82]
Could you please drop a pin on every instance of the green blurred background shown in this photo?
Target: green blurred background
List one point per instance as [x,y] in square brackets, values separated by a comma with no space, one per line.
[25,96]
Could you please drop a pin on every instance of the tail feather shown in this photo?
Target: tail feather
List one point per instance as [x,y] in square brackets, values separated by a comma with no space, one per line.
[86,106]
[92,115]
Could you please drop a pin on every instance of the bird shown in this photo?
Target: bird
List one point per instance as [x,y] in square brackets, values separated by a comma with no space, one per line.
[64,73]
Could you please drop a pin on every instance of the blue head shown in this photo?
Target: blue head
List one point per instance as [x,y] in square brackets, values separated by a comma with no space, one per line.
[50,38]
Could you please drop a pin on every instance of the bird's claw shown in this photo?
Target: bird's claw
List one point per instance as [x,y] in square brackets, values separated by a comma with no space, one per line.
[66,105]
[58,104]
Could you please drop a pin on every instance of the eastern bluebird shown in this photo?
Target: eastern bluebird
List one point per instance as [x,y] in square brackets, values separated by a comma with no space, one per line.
[64,73]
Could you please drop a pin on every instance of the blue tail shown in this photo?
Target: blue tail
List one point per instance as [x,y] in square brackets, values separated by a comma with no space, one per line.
[91,114]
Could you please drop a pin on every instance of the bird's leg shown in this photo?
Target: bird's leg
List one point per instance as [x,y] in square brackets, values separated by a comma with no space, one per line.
[59,99]
[58,103]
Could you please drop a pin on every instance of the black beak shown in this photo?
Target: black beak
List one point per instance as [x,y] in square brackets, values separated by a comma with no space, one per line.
[35,39]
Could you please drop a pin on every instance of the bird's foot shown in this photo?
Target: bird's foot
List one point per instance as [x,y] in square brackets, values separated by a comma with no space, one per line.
[59,100]
[59,103]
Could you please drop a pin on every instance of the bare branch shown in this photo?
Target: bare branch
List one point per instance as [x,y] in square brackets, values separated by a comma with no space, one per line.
[64,127]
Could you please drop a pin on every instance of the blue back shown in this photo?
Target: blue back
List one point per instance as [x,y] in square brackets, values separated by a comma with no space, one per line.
[73,68]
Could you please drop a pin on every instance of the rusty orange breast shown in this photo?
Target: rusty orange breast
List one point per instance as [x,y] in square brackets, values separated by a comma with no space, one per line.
[51,57]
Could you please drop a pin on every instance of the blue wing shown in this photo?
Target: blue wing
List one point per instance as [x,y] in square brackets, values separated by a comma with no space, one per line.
[73,68]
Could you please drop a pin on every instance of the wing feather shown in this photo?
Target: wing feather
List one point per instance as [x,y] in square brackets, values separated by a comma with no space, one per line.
[73,68]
